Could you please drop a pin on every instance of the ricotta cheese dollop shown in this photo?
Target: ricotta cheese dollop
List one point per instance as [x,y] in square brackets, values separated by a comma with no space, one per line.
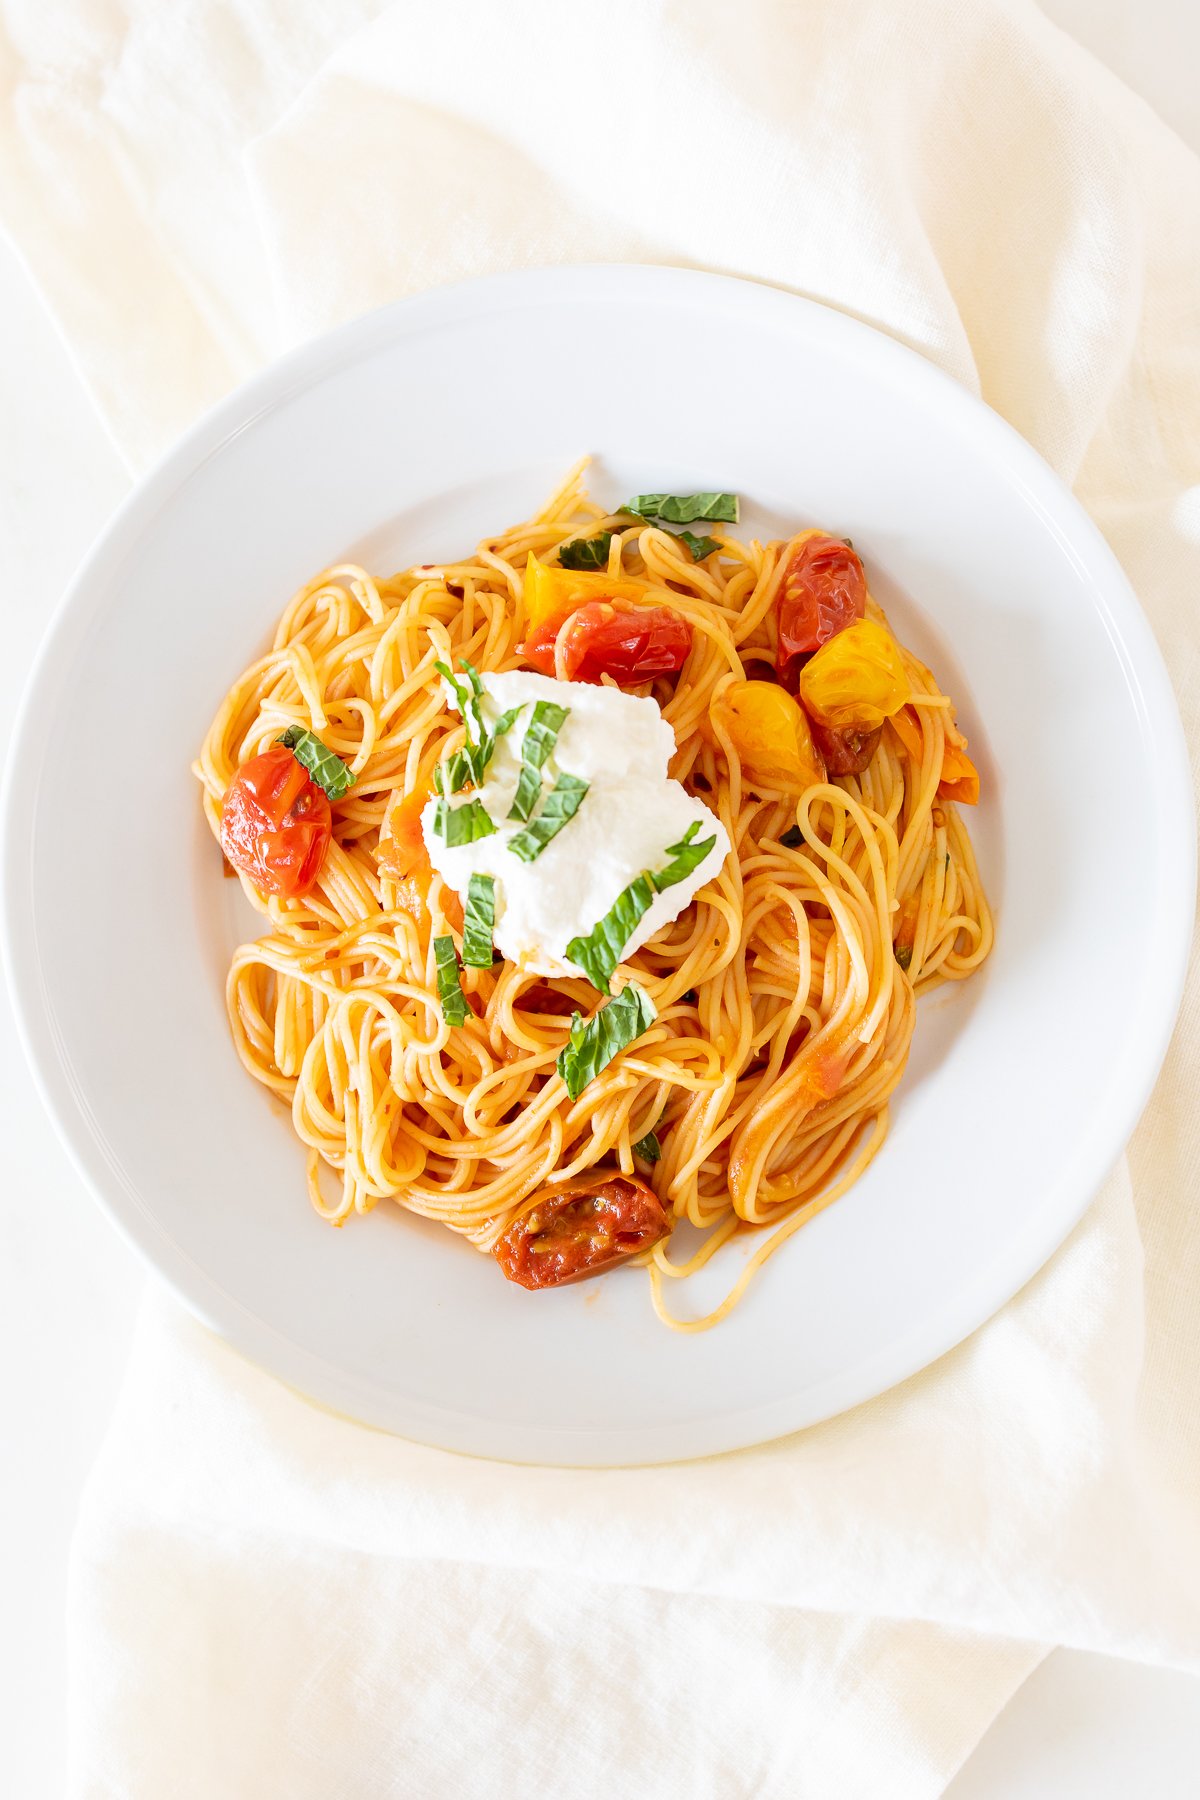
[621,745]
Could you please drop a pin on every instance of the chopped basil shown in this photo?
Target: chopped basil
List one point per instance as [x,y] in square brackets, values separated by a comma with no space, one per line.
[903,955]
[560,805]
[327,770]
[686,856]
[541,735]
[793,838]
[648,1148]
[470,763]
[684,509]
[479,922]
[594,1042]
[586,553]
[454,1001]
[462,824]
[700,547]
[599,953]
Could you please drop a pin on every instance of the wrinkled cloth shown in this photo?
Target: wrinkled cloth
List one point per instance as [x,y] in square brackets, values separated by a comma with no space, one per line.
[268,1599]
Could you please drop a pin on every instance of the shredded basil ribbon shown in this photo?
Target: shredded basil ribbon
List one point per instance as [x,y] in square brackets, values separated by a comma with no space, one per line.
[470,763]
[560,805]
[479,922]
[454,1001]
[462,824]
[541,735]
[700,547]
[648,1148]
[327,770]
[684,509]
[586,553]
[599,953]
[594,1042]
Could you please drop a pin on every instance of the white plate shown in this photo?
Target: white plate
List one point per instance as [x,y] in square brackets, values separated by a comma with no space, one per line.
[402,438]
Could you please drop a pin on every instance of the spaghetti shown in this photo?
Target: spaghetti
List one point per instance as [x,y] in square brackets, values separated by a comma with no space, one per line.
[782,998]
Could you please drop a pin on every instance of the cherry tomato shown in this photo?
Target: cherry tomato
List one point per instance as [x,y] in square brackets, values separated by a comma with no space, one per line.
[823,590]
[276,824]
[606,637]
[855,680]
[846,752]
[581,1228]
[401,848]
[771,735]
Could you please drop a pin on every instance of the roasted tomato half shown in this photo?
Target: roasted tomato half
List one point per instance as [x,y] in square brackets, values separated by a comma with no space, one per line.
[581,1228]
[631,643]
[823,590]
[276,824]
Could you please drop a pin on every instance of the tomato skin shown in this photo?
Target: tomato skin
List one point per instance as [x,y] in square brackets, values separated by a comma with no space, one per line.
[823,590]
[276,824]
[771,734]
[631,643]
[580,1228]
[846,752]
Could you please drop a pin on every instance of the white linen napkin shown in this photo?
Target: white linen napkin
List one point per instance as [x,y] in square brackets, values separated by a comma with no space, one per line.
[267,1599]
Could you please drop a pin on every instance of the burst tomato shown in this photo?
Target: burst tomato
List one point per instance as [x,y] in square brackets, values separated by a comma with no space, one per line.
[581,1228]
[605,637]
[276,824]
[846,752]
[823,590]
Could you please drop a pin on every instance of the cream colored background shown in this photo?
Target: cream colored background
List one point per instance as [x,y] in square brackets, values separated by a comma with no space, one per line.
[1079,1726]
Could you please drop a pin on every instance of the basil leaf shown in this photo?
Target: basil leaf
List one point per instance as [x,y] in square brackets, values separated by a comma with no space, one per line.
[462,824]
[479,921]
[560,805]
[687,855]
[793,838]
[594,1042]
[683,509]
[599,953]
[586,553]
[700,547]
[903,955]
[470,763]
[327,770]
[648,1148]
[541,735]
[454,1001]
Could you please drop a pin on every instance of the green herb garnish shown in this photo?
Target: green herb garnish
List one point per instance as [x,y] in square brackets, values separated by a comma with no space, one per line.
[541,735]
[599,953]
[462,824]
[684,509]
[903,954]
[454,1001]
[793,838]
[470,763]
[586,553]
[594,1042]
[560,805]
[648,1148]
[700,547]
[479,922]
[327,770]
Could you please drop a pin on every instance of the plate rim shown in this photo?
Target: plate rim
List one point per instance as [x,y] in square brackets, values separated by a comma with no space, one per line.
[271,1349]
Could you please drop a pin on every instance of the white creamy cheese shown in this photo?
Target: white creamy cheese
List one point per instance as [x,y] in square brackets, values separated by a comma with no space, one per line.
[620,745]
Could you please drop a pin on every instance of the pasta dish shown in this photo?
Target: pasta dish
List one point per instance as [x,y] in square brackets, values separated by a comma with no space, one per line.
[600,874]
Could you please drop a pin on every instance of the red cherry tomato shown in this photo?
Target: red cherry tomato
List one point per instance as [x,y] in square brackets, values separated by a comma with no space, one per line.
[581,1228]
[276,824]
[823,590]
[604,637]
[846,752]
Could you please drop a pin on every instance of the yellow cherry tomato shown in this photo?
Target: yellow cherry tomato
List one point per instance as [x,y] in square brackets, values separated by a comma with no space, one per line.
[770,734]
[856,679]
[551,593]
